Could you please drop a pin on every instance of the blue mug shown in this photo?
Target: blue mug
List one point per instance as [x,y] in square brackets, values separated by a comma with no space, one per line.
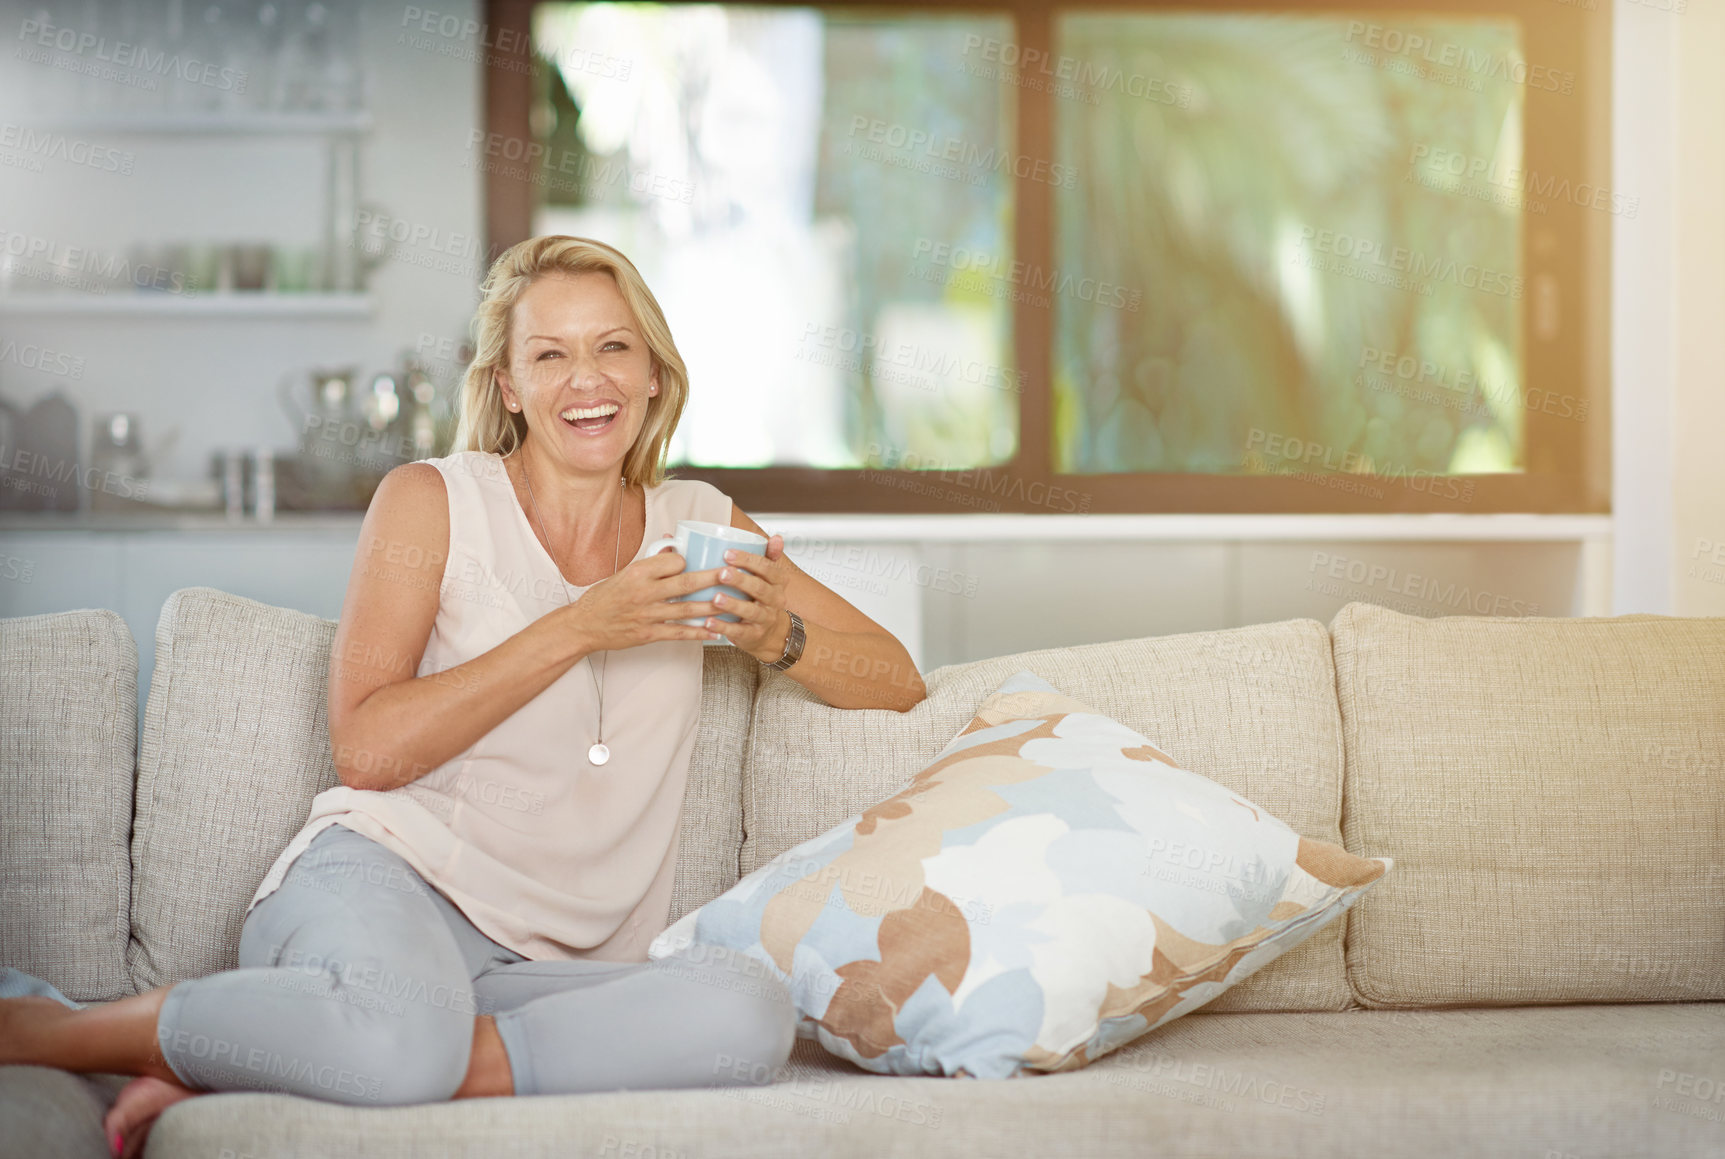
[702,546]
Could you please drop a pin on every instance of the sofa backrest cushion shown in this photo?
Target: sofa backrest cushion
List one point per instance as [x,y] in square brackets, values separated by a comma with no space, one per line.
[1251,708]
[68,732]
[236,744]
[710,844]
[1553,794]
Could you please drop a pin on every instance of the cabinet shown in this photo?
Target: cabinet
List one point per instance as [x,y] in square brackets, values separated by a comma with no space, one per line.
[302,563]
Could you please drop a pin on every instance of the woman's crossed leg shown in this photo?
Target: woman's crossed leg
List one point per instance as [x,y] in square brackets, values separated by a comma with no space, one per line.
[577,1026]
[360,984]
[352,988]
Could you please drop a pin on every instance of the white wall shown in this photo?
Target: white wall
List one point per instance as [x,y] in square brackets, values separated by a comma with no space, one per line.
[1698,451]
[1643,258]
[1669,298]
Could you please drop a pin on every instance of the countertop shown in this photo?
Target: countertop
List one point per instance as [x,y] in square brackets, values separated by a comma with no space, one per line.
[175,521]
[972,528]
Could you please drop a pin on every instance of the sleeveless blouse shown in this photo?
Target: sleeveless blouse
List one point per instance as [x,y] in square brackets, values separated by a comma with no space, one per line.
[543,852]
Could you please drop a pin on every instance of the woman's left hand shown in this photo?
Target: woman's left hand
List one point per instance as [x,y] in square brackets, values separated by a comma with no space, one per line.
[764,622]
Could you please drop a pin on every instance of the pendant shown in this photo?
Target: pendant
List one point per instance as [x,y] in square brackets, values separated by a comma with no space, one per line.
[598,754]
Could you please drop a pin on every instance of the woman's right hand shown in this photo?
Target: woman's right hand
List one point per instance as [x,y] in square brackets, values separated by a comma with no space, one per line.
[639,605]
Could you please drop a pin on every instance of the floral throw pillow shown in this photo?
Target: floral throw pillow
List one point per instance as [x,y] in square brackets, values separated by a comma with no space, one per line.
[1051,887]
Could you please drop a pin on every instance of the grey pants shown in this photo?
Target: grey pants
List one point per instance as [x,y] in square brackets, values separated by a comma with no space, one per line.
[359,983]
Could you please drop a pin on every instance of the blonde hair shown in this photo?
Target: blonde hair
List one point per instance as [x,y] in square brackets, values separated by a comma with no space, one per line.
[486,424]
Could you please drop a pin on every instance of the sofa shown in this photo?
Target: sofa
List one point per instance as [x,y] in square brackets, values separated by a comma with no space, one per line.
[1542,974]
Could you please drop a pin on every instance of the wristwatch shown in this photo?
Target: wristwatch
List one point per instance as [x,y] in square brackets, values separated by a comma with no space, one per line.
[793,643]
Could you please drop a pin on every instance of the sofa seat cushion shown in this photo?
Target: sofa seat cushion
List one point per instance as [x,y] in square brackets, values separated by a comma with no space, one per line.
[68,734]
[236,745]
[1534,1081]
[1553,794]
[1253,709]
[48,1113]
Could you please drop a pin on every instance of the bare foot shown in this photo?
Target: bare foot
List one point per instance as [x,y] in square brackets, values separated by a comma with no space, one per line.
[135,1111]
[23,1022]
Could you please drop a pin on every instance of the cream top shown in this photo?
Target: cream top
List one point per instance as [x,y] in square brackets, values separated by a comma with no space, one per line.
[544,852]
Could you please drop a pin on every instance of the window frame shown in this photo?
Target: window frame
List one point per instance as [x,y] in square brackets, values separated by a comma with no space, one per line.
[1567,270]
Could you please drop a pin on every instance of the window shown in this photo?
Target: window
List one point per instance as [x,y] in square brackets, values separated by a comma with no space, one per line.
[767,170]
[1100,258]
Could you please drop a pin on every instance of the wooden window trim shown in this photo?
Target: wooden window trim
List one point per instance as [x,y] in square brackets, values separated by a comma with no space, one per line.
[1569,461]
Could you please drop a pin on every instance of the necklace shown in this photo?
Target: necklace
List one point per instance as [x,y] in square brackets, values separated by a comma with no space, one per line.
[599,753]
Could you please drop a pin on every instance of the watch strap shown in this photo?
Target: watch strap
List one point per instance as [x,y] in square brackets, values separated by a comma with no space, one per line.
[794,640]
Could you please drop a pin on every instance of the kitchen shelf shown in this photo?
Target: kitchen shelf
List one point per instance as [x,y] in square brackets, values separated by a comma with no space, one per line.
[214,305]
[210,123]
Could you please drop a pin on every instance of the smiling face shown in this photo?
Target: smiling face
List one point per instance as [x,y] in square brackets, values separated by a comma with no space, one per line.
[579,370]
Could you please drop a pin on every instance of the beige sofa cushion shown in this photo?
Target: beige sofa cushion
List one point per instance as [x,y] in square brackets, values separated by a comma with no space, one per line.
[1537,1082]
[1553,795]
[1252,708]
[68,730]
[236,744]
[710,845]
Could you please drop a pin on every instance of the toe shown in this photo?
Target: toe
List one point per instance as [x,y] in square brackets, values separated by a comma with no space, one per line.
[135,1110]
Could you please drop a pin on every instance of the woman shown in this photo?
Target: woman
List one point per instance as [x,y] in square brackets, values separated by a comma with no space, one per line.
[512,706]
